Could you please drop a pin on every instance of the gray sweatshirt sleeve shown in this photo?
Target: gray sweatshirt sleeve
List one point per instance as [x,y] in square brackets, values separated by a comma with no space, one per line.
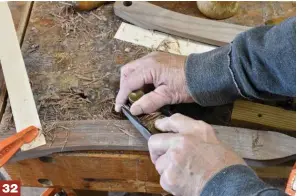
[238,180]
[258,64]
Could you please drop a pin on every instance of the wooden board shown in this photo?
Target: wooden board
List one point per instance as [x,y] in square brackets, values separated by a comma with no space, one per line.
[255,114]
[159,41]
[121,135]
[22,26]
[16,79]
[152,17]
[103,170]
[273,172]
[20,22]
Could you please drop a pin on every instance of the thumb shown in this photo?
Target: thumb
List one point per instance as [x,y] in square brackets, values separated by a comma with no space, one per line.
[151,102]
[177,123]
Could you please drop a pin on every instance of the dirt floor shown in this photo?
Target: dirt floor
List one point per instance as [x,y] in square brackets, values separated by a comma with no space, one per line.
[73,61]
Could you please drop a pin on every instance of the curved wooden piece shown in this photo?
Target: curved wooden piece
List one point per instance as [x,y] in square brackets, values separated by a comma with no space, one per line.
[121,135]
[251,114]
[152,17]
[257,145]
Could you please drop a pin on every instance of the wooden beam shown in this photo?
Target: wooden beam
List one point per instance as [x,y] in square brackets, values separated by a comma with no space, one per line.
[22,26]
[121,135]
[16,79]
[273,172]
[102,170]
[252,114]
[152,17]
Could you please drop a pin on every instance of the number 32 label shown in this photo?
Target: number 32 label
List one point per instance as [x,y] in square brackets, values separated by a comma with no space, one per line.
[10,187]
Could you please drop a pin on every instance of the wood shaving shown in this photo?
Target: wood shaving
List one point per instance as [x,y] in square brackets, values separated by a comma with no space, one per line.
[124,131]
[67,135]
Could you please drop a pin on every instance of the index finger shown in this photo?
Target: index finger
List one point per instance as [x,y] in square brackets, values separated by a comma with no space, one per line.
[133,76]
[131,82]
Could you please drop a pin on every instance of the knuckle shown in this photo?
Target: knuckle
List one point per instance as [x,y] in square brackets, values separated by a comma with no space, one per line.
[123,70]
[174,156]
[158,166]
[199,124]
[204,126]
[151,142]
[175,119]
[124,80]
[163,182]
[206,131]
[169,178]
[182,144]
[125,85]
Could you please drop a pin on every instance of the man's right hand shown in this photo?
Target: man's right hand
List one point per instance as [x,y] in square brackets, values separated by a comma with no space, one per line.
[165,71]
[188,155]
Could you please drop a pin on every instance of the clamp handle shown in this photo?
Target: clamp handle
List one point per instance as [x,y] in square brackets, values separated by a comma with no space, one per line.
[291,184]
[12,144]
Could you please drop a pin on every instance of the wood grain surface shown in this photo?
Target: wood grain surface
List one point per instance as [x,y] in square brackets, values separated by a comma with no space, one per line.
[121,135]
[255,115]
[103,170]
[23,23]
[152,17]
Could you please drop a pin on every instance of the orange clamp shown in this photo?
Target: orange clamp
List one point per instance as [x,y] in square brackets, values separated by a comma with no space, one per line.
[51,191]
[291,184]
[11,145]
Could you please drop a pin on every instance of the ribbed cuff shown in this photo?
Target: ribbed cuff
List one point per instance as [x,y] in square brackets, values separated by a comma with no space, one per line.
[209,77]
[238,180]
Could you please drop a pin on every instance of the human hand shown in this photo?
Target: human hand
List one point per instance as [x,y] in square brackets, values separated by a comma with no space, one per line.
[165,71]
[188,158]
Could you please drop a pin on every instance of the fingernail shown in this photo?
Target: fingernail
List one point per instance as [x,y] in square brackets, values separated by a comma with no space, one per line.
[158,122]
[136,110]
[117,108]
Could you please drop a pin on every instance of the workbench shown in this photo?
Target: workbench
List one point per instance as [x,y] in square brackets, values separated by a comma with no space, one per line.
[73,63]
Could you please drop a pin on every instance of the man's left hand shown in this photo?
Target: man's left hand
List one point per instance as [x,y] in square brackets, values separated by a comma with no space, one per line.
[189,157]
